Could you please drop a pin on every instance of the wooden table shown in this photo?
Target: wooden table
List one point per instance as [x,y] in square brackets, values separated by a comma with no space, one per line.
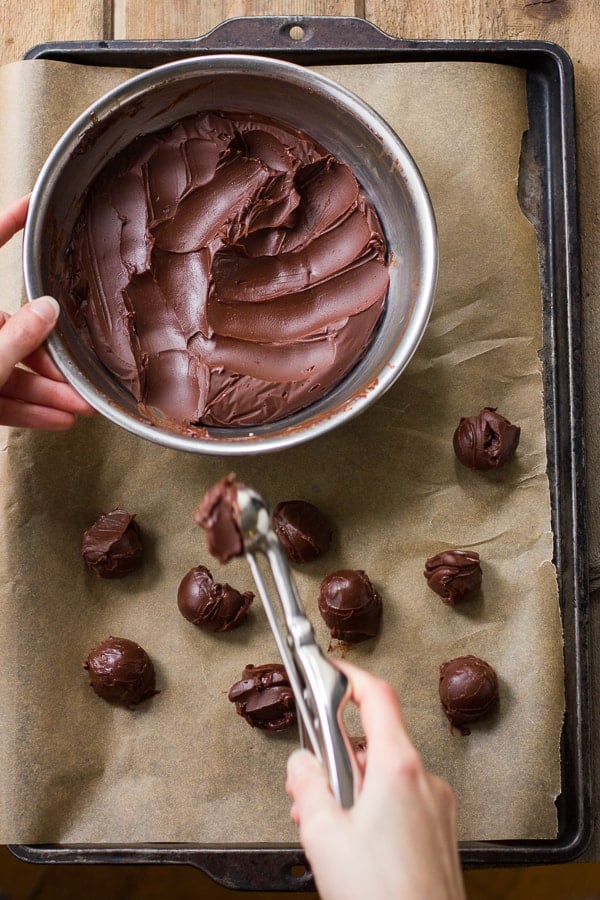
[573,25]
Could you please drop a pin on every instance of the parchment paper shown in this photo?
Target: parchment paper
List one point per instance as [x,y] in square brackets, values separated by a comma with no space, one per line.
[184,766]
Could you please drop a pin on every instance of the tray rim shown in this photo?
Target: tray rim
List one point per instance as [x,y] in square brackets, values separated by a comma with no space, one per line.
[227,862]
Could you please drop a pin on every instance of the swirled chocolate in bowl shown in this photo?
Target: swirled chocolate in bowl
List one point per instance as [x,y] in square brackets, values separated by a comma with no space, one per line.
[228,270]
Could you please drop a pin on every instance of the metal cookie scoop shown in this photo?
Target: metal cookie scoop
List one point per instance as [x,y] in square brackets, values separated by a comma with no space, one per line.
[237,521]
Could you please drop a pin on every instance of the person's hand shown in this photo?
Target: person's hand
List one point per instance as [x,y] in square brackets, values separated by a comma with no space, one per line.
[399,840]
[36,396]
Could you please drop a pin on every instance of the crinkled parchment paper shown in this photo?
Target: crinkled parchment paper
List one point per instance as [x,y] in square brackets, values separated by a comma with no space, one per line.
[184,766]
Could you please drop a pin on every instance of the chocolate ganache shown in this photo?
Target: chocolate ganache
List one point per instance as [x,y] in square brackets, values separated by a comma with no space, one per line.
[227,271]
[350,605]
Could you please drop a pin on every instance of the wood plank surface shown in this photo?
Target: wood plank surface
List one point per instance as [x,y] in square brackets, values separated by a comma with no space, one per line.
[25,24]
[22,881]
[191,18]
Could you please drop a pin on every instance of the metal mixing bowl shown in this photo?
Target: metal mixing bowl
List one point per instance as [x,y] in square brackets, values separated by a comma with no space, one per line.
[330,114]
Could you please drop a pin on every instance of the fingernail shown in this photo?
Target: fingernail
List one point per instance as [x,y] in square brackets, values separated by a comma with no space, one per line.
[46,308]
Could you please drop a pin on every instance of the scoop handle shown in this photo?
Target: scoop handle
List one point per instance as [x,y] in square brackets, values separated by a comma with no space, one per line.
[325,690]
[328,691]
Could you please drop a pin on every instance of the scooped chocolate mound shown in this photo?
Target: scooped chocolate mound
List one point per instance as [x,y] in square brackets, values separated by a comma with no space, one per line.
[112,546]
[264,697]
[210,605]
[121,672]
[453,574]
[218,514]
[304,531]
[468,690]
[350,605]
[486,441]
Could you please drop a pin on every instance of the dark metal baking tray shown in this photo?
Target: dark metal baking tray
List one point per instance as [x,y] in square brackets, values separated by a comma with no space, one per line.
[548,195]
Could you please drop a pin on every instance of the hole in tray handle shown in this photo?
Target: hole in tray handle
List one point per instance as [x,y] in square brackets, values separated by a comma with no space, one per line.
[299,870]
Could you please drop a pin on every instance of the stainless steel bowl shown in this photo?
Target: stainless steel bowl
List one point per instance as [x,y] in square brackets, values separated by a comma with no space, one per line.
[334,117]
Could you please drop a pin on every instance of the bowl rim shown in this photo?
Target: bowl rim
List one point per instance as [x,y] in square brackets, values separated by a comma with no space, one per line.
[293,433]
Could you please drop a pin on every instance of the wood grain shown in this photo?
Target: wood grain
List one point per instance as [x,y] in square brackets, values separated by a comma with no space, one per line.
[191,18]
[23,881]
[25,24]
[563,21]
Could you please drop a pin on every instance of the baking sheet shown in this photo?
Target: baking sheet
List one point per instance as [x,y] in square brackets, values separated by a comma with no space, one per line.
[185,768]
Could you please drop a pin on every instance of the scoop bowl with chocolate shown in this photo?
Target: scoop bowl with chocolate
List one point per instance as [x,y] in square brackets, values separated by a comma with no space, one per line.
[244,159]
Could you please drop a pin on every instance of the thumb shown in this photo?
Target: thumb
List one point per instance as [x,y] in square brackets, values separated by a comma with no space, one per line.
[308,786]
[23,332]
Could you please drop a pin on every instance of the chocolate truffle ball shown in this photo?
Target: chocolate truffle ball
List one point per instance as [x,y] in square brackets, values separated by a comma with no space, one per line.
[264,697]
[304,531]
[112,546]
[486,441]
[453,574]
[218,514]
[468,690]
[212,606]
[350,605]
[121,671]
